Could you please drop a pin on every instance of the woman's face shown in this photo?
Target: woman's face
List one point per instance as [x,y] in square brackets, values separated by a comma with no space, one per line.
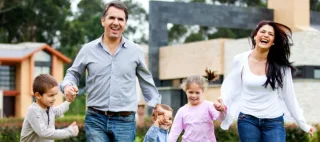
[264,37]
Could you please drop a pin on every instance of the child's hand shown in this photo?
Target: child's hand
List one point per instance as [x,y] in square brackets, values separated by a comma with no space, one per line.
[311,131]
[70,99]
[70,92]
[158,112]
[218,105]
[75,128]
[156,123]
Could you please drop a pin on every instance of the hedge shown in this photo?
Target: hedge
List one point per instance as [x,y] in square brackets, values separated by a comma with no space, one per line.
[10,131]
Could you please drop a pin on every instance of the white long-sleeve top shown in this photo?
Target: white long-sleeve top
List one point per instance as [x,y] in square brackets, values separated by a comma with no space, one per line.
[231,93]
[258,100]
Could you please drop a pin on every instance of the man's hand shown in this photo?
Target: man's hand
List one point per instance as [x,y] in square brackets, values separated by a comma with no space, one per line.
[160,111]
[218,105]
[75,128]
[70,92]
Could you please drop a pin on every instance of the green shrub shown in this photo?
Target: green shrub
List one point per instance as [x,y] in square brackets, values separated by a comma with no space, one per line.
[10,131]
[77,107]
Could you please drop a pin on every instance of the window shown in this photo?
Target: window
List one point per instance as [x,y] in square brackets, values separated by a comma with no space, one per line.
[307,72]
[42,63]
[7,78]
[317,73]
[298,72]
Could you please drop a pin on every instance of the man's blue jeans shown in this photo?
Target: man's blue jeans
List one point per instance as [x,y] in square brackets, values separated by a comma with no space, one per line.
[103,128]
[253,129]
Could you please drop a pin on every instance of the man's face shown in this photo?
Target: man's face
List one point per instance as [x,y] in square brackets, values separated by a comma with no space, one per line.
[48,98]
[114,23]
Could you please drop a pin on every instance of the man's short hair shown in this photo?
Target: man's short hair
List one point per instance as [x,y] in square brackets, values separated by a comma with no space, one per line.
[118,4]
[43,82]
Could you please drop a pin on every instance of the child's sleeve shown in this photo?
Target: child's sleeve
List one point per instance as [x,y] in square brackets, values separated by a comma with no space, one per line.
[61,109]
[34,117]
[152,134]
[216,115]
[177,126]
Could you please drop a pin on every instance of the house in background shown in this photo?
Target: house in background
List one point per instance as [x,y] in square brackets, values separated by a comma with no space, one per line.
[19,65]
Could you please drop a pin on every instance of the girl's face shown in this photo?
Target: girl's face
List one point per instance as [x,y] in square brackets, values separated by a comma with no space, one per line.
[264,37]
[194,94]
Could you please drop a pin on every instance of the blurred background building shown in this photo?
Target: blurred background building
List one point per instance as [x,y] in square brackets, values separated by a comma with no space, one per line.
[19,65]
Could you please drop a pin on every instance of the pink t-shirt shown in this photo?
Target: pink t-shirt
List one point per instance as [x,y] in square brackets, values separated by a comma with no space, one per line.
[197,123]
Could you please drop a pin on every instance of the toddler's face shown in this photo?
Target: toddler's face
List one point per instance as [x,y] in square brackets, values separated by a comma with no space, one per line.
[169,120]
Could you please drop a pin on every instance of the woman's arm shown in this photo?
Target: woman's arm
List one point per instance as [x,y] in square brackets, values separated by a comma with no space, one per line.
[289,97]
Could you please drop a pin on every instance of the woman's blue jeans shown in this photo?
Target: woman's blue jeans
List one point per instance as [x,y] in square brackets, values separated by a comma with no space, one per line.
[253,129]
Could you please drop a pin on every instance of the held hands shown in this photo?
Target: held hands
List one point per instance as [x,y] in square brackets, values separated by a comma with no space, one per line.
[156,122]
[218,105]
[311,131]
[70,92]
[158,112]
[75,128]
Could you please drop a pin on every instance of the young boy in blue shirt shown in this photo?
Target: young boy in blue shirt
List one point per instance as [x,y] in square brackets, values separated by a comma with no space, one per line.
[159,133]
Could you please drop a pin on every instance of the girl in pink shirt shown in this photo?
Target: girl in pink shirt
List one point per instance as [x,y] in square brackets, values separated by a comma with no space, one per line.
[196,117]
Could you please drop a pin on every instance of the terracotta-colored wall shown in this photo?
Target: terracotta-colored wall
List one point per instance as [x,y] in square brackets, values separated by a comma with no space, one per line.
[23,77]
[181,61]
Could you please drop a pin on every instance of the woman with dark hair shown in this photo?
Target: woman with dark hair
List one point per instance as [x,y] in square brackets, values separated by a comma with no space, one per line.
[259,89]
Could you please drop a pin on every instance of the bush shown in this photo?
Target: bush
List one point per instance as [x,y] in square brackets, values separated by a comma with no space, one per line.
[10,131]
[77,107]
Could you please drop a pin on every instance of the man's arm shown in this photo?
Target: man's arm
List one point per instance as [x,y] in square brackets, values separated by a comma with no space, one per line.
[148,88]
[75,72]
[34,117]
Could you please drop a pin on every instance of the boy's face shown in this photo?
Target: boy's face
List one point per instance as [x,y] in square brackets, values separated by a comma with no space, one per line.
[48,98]
[169,119]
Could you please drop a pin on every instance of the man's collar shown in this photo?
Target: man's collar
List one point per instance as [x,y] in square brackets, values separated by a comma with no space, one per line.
[122,41]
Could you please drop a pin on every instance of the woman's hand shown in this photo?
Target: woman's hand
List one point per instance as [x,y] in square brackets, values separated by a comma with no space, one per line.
[311,131]
[218,105]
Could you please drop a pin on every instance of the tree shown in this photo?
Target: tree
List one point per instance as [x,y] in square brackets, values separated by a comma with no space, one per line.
[32,20]
[315,5]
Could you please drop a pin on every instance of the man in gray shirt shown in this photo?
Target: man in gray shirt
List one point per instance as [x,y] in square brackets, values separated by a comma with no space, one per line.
[112,63]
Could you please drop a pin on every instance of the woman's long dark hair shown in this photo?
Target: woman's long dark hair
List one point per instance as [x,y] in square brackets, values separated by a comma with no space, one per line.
[279,53]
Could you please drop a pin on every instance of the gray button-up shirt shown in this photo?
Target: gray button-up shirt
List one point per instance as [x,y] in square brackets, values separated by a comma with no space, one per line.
[111,80]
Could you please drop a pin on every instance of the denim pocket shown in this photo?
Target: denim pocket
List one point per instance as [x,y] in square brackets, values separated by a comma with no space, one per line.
[242,116]
[129,118]
[91,112]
